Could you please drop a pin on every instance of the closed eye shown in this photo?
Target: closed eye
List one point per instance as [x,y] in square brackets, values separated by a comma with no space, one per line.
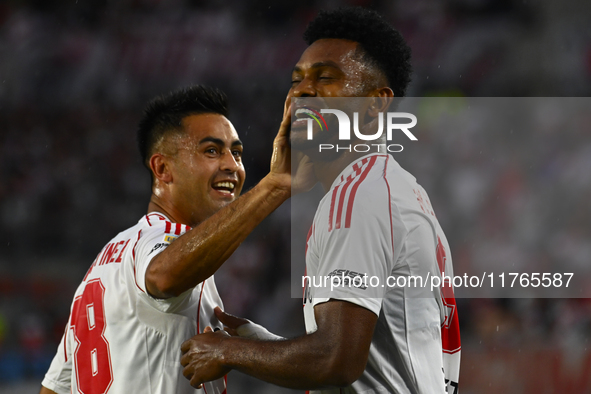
[325,77]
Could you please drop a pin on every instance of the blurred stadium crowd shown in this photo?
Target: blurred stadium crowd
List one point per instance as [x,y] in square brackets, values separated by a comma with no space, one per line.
[75,75]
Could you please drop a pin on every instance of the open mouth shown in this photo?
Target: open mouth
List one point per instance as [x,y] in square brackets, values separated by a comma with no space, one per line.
[302,114]
[225,187]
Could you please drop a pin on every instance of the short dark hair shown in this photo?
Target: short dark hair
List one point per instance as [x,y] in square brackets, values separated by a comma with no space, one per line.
[165,114]
[382,45]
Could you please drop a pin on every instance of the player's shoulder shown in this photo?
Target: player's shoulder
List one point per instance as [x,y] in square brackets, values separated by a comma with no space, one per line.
[155,223]
[151,224]
[403,185]
[372,186]
[154,219]
[379,171]
[387,187]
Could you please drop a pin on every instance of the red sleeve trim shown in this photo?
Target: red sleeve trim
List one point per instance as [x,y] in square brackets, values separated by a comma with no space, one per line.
[66,341]
[342,199]
[332,202]
[157,215]
[139,234]
[199,306]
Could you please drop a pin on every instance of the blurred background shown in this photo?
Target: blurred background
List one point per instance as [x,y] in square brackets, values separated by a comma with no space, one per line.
[76,74]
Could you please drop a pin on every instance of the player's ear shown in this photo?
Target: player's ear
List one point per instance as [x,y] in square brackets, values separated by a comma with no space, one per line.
[380,101]
[161,167]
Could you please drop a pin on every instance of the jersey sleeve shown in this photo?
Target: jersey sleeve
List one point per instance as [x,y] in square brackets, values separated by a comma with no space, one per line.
[151,241]
[209,299]
[354,261]
[59,376]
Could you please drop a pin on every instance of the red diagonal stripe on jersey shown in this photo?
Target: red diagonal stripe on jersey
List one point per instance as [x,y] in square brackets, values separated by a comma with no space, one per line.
[389,204]
[350,180]
[357,168]
[199,305]
[177,229]
[332,202]
[450,329]
[168,227]
[342,200]
[351,200]
[139,234]
[65,342]
[310,233]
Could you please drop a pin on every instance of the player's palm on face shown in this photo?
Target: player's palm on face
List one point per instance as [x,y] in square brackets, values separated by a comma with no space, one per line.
[303,177]
[201,357]
[297,172]
[281,158]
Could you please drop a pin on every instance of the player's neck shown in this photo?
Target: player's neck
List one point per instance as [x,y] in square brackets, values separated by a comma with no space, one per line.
[157,204]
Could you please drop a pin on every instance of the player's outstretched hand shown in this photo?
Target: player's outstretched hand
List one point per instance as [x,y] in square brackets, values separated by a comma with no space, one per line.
[201,357]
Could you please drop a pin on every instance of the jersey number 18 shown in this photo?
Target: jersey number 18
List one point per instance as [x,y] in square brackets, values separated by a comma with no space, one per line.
[92,358]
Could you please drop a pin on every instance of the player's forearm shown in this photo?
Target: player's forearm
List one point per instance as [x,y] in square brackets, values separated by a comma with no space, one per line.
[200,252]
[304,363]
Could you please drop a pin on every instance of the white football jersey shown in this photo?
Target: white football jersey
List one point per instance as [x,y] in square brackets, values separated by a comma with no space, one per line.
[376,224]
[119,339]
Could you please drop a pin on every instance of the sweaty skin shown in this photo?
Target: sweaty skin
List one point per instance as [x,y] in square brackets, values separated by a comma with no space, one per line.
[334,68]
[183,191]
[210,153]
[334,355]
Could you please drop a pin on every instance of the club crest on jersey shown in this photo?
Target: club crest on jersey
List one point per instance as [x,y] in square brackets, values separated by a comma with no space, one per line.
[169,238]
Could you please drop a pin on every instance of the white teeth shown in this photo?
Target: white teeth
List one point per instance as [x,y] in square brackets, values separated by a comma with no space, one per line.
[228,185]
[301,112]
